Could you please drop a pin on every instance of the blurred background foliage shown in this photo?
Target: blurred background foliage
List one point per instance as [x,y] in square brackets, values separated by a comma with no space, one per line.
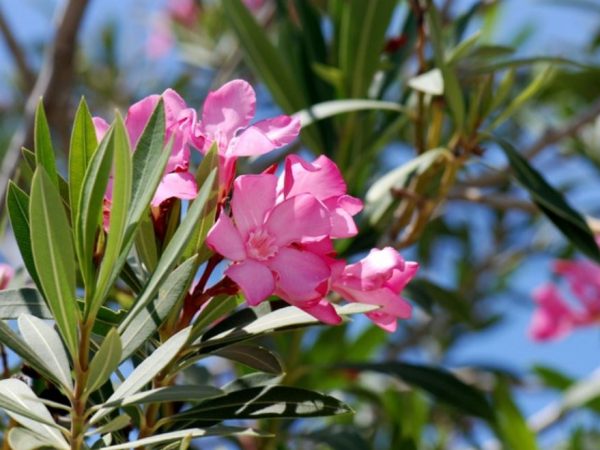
[460,142]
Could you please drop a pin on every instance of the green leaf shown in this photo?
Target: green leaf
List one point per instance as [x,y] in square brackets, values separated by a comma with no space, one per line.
[17,202]
[216,308]
[207,219]
[252,355]
[147,370]
[42,144]
[254,379]
[24,439]
[178,393]
[536,85]
[21,404]
[12,340]
[53,254]
[334,107]
[182,434]
[83,145]
[121,195]
[119,422]
[149,161]
[14,302]
[46,343]
[90,207]
[105,362]
[438,382]
[172,253]
[463,49]
[145,243]
[263,402]
[511,425]
[147,321]
[452,89]
[552,203]
[362,35]
[283,318]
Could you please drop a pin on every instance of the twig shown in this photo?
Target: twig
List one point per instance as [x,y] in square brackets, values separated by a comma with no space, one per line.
[17,53]
[494,200]
[551,136]
[53,84]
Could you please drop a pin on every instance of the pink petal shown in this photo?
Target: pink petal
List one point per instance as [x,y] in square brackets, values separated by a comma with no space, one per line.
[255,280]
[264,136]
[225,239]
[297,219]
[174,105]
[384,321]
[176,184]
[253,197]
[400,278]
[228,109]
[324,311]
[374,269]
[321,178]
[341,210]
[301,276]
[138,115]
[101,126]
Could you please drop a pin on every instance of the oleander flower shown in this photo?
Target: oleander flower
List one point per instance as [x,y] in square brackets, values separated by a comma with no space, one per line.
[7,273]
[263,240]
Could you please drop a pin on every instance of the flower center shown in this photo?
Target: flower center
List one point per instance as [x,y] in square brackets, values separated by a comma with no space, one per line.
[261,245]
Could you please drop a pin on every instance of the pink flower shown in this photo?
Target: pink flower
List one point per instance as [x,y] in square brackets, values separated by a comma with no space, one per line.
[180,121]
[264,242]
[377,279]
[6,275]
[323,179]
[226,117]
[556,317]
[183,11]
[161,38]
[254,5]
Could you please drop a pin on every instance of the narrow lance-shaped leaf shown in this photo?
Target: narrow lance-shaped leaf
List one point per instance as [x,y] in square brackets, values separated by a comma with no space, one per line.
[44,152]
[150,318]
[90,206]
[443,385]
[17,202]
[52,246]
[512,428]
[14,302]
[147,370]
[25,439]
[263,402]
[13,341]
[82,147]
[105,362]
[121,196]
[193,393]
[46,343]
[254,356]
[33,414]
[551,202]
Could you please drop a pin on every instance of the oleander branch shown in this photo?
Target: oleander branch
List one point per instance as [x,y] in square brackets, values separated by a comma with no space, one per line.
[53,84]
[17,53]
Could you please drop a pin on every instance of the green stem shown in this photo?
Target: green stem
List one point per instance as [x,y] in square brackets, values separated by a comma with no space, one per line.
[79,398]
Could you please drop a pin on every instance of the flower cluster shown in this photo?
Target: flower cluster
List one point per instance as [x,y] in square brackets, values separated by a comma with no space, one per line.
[277,230]
[554,316]
[279,239]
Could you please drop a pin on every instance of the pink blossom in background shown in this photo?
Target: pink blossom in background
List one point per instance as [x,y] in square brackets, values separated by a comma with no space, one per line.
[184,12]
[161,39]
[7,273]
[377,279]
[254,5]
[226,117]
[555,316]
